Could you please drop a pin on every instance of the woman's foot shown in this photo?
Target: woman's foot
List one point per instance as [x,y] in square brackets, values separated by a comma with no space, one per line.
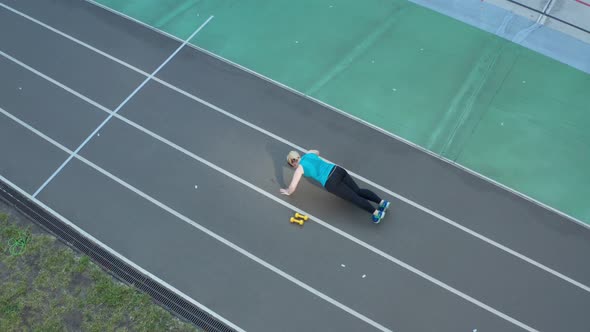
[377,216]
[384,205]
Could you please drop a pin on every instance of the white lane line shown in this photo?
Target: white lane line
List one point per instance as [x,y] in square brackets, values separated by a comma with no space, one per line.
[93,239]
[350,116]
[201,228]
[75,40]
[66,88]
[294,208]
[119,107]
[278,138]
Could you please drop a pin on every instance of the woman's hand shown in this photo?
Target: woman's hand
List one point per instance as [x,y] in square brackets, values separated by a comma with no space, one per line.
[296,177]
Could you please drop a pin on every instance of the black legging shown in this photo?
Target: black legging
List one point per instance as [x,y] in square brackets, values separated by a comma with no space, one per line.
[342,185]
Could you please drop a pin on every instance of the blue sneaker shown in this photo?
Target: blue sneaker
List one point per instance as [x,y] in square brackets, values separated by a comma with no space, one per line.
[383,206]
[377,218]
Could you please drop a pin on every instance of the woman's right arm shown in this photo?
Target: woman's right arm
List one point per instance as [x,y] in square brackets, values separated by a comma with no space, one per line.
[296,177]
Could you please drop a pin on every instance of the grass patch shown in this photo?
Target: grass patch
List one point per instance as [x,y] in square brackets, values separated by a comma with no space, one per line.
[48,287]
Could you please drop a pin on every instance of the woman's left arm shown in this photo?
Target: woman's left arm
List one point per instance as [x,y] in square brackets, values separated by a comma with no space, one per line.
[294,181]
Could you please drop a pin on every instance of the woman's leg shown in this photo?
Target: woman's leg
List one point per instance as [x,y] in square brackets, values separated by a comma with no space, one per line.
[365,193]
[336,186]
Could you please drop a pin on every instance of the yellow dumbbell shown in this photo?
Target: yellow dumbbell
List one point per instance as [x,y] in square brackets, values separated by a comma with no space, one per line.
[301,216]
[297,221]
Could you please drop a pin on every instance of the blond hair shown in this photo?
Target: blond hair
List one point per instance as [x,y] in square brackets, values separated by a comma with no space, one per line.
[292,155]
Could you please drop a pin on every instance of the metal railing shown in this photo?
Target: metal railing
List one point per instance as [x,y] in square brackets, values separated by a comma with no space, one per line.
[543,12]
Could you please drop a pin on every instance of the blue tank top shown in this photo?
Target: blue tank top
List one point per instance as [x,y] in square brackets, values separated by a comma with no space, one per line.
[316,168]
